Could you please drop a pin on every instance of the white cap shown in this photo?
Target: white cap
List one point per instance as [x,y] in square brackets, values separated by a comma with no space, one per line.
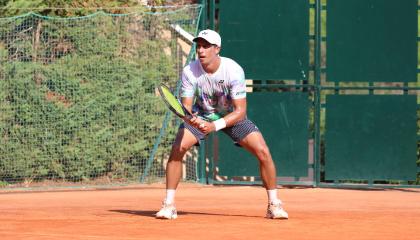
[210,36]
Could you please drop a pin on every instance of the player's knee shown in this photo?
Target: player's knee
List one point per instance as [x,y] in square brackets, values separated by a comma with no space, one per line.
[179,148]
[263,154]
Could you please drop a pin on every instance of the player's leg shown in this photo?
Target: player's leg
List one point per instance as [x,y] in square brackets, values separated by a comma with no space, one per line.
[246,134]
[254,142]
[184,140]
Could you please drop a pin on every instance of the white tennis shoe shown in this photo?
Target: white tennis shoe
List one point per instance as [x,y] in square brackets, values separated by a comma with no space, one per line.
[168,211]
[276,211]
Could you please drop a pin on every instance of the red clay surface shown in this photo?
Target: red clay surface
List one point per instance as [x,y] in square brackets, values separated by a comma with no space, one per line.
[210,212]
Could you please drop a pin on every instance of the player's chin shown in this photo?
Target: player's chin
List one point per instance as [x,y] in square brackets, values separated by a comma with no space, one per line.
[202,60]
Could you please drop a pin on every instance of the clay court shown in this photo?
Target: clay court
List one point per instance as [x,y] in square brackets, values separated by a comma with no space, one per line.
[209,212]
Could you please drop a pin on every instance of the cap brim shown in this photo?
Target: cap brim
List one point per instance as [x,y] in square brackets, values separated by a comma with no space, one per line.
[196,38]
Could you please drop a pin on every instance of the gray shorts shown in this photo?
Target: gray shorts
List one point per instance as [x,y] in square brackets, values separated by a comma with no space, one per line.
[236,132]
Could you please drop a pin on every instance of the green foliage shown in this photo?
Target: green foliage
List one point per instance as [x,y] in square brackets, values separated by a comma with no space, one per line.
[78,97]
[66,8]
[13,8]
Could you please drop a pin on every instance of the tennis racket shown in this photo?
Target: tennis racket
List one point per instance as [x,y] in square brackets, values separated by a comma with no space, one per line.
[173,103]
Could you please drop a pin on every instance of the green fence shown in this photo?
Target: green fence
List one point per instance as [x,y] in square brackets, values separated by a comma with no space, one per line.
[333,86]
[78,99]
[371,114]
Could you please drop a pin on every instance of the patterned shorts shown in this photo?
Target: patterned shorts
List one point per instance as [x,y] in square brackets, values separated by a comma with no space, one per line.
[236,132]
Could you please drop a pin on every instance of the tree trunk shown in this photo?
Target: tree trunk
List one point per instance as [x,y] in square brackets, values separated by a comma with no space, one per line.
[36,38]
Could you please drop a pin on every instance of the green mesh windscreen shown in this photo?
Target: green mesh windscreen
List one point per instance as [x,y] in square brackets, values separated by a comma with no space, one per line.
[269,39]
[78,98]
[372,41]
[371,137]
[283,120]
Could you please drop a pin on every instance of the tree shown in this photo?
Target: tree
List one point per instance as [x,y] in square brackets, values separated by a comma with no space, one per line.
[78,94]
[65,8]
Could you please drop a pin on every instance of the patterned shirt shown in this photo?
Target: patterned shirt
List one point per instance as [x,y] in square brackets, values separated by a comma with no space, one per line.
[213,92]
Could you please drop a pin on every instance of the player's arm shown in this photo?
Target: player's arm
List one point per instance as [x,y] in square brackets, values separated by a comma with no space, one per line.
[188,89]
[188,104]
[238,114]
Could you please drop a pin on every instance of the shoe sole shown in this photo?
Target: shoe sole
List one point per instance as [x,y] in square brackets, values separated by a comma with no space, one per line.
[273,217]
[170,218]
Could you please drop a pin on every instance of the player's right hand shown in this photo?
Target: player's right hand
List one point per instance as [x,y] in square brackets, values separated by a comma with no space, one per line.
[193,120]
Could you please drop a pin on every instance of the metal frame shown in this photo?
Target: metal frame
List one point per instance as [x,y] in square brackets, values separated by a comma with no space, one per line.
[208,20]
[320,88]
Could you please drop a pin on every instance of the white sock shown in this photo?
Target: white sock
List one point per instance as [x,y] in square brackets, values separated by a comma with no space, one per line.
[170,196]
[272,196]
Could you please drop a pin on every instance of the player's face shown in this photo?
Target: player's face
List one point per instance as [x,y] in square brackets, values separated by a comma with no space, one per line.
[206,52]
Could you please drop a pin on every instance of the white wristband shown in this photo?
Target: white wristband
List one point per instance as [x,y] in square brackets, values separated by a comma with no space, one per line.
[219,124]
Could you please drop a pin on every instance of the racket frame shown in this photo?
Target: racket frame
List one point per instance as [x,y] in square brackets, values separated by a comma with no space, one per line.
[187,113]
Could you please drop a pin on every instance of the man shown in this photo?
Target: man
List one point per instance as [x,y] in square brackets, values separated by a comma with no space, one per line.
[214,88]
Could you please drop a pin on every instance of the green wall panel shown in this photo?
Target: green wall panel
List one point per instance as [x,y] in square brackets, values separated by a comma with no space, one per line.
[269,38]
[283,120]
[372,41]
[371,137]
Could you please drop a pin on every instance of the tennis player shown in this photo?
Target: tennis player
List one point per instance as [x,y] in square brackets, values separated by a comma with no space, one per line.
[214,88]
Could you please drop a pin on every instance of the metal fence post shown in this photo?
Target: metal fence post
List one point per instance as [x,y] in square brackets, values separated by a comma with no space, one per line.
[317,92]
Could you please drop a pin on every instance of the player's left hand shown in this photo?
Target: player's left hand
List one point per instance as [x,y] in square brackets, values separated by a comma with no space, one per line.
[205,127]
